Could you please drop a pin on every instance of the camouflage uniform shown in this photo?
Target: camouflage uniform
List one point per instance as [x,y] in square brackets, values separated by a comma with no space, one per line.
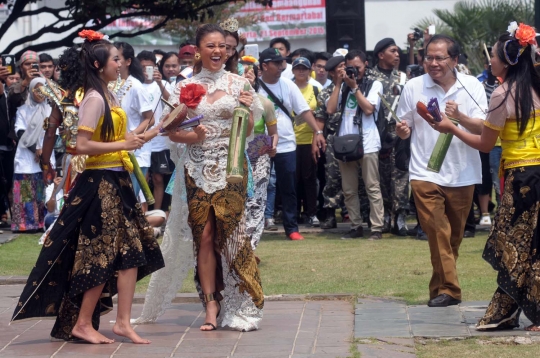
[394,182]
[332,190]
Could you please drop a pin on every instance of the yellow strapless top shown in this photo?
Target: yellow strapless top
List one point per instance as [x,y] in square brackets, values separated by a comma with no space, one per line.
[114,159]
[520,150]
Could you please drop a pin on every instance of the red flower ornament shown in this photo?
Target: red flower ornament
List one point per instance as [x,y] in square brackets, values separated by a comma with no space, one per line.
[192,95]
[91,35]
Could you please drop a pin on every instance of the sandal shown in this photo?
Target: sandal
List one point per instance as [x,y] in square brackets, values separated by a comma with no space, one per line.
[533,328]
[209,298]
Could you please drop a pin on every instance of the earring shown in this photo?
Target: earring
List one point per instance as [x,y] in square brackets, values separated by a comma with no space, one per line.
[505,66]
[197,56]
[101,70]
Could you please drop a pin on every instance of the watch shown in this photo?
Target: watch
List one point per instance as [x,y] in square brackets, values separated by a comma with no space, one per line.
[319,132]
[354,90]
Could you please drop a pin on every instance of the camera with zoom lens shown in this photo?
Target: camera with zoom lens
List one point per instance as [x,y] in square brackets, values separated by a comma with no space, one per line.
[417,34]
[414,71]
[351,72]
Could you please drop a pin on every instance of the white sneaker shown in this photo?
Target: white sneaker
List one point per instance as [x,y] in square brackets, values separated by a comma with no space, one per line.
[314,221]
[157,232]
[270,225]
[485,221]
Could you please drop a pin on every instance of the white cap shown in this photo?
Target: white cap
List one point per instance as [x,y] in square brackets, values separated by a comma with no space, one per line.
[340,52]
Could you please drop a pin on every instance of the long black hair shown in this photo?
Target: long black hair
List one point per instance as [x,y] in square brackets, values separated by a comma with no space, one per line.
[72,71]
[135,69]
[232,62]
[91,52]
[522,75]
[201,33]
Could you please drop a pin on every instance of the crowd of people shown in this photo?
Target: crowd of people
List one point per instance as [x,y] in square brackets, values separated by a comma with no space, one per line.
[91,152]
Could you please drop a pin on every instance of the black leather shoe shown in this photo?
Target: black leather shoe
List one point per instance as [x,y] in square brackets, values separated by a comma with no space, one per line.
[468,233]
[443,300]
[386,227]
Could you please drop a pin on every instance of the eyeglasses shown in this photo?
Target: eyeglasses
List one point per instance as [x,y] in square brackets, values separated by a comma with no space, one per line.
[319,67]
[430,59]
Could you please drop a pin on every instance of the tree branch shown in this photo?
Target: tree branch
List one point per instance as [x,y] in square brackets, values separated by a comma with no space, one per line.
[42,10]
[15,13]
[142,32]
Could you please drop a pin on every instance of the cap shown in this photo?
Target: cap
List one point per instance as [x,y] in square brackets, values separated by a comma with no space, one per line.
[382,45]
[301,61]
[270,55]
[186,51]
[333,62]
[340,52]
[29,56]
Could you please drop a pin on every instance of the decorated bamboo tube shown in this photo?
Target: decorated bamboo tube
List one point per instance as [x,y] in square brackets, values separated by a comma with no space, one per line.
[439,151]
[237,143]
[142,180]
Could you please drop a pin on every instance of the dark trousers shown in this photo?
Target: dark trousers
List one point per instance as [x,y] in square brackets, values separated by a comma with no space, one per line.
[6,179]
[285,166]
[306,180]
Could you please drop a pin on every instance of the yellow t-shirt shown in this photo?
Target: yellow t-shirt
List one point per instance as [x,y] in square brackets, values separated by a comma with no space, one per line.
[303,132]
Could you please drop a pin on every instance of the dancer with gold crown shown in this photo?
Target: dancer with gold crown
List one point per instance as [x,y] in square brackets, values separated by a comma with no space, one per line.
[101,243]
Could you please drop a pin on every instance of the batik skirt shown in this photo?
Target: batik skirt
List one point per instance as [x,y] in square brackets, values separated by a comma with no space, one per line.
[238,282]
[256,204]
[100,230]
[28,209]
[512,249]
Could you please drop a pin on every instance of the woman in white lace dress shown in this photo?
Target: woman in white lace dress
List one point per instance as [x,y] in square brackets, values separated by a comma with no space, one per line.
[226,273]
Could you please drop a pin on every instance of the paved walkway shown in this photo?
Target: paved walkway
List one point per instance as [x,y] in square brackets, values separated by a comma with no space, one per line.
[290,329]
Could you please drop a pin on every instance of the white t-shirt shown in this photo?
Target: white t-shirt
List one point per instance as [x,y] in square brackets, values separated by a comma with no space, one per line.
[462,166]
[59,198]
[135,100]
[371,137]
[25,160]
[159,143]
[287,72]
[292,99]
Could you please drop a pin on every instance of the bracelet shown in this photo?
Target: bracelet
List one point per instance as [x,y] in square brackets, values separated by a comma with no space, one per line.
[318,132]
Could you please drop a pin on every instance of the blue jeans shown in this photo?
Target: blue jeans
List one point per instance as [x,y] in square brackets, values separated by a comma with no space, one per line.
[271,193]
[285,166]
[136,186]
[49,220]
[494,162]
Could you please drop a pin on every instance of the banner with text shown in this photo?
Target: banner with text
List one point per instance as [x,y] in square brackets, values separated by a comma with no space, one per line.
[292,19]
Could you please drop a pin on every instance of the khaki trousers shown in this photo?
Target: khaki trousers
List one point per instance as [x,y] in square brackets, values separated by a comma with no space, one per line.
[442,212]
[349,183]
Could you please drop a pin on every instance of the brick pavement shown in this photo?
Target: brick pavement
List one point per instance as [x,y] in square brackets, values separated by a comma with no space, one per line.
[290,329]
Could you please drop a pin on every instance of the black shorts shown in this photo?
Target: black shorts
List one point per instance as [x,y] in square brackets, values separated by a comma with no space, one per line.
[161,162]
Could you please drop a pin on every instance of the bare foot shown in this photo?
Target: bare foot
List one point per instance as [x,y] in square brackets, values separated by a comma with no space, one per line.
[212,309]
[89,334]
[533,328]
[128,332]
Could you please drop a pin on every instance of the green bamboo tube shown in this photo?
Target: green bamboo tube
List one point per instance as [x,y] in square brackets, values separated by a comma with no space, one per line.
[142,180]
[439,151]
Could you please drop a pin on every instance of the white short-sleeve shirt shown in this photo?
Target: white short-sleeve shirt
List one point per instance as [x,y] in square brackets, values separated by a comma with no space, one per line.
[462,165]
[292,99]
[134,102]
[159,143]
[370,133]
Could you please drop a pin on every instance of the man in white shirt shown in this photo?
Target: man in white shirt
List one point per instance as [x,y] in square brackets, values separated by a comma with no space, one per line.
[286,92]
[443,199]
[161,165]
[284,47]
[363,98]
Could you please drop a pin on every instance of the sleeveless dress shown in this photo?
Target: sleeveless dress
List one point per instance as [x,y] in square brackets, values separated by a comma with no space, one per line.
[100,230]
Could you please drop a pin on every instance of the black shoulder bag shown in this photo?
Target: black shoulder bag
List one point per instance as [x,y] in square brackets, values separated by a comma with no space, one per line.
[350,147]
[276,100]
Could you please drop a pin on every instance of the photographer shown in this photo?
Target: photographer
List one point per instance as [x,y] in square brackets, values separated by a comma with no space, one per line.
[18,93]
[6,149]
[357,99]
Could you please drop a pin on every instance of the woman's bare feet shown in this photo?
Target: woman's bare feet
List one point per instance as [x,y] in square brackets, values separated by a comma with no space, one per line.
[210,322]
[125,330]
[89,334]
[533,328]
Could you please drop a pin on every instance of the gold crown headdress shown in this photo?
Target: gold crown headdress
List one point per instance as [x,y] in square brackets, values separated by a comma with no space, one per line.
[230,25]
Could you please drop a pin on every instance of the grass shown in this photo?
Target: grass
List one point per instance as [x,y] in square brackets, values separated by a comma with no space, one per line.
[392,267]
[475,348]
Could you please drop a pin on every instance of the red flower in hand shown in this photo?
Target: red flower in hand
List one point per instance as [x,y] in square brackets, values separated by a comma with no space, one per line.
[91,35]
[192,95]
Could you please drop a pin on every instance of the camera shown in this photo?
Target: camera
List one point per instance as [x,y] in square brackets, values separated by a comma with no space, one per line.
[414,71]
[35,66]
[417,34]
[351,72]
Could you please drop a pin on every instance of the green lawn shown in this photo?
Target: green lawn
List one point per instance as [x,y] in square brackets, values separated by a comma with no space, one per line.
[476,348]
[392,267]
